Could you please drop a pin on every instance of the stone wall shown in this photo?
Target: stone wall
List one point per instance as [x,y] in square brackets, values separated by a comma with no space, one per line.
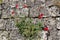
[9,14]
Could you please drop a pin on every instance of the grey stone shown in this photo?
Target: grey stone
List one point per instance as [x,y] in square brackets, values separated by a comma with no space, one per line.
[3,35]
[34,11]
[2,24]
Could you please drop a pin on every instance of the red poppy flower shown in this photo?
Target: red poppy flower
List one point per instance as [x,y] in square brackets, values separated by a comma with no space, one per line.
[46,29]
[16,5]
[40,16]
[13,12]
[25,6]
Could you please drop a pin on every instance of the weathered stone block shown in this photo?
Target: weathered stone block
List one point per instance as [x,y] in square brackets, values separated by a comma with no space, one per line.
[14,35]
[10,25]
[39,2]
[5,14]
[30,2]
[24,12]
[34,11]
[3,35]
[2,24]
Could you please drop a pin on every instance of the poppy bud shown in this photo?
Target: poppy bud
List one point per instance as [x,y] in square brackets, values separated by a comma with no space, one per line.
[25,6]
[40,16]
[46,29]
[16,5]
[13,12]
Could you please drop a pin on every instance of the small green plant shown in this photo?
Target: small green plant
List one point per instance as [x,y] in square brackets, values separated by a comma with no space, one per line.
[28,29]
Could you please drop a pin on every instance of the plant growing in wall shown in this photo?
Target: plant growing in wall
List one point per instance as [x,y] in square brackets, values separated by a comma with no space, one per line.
[28,29]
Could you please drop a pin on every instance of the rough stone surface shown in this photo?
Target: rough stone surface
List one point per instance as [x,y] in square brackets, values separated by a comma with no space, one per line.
[9,15]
